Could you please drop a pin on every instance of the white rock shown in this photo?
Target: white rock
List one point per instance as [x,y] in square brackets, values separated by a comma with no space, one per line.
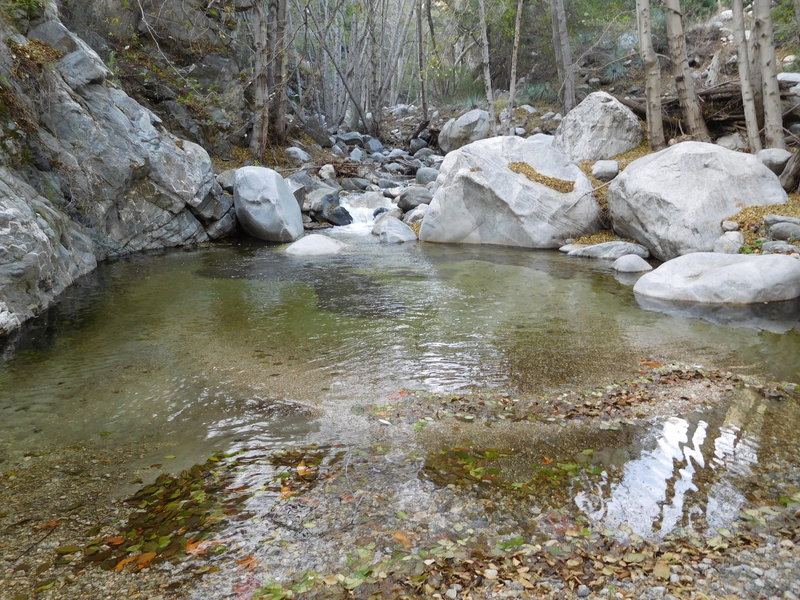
[673,201]
[265,207]
[599,127]
[723,278]
[605,170]
[733,141]
[315,245]
[472,126]
[327,172]
[774,159]
[729,242]
[416,215]
[298,155]
[631,263]
[391,230]
[479,200]
[610,250]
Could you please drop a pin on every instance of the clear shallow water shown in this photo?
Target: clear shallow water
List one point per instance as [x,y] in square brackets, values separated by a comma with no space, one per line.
[241,344]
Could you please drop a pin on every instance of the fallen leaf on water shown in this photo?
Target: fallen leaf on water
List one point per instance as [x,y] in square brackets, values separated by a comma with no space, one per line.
[547,460]
[286,492]
[125,561]
[197,548]
[49,525]
[115,541]
[143,560]
[398,394]
[653,364]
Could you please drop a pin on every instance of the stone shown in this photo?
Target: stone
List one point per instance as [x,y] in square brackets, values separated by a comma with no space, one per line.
[599,127]
[723,278]
[351,138]
[415,215]
[583,591]
[328,172]
[378,158]
[772,219]
[391,230]
[610,250]
[673,201]
[480,200]
[317,132]
[784,230]
[369,201]
[354,184]
[605,170]
[733,141]
[779,247]
[416,145]
[520,131]
[225,180]
[469,127]
[529,109]
[299,156]
[730,226]
[569,247]
[372,145]
[315,245]
[774,159]
[265,207]
[356,155]
[412,197]
[729,242]
[426,175]
[395,168]
[631,263]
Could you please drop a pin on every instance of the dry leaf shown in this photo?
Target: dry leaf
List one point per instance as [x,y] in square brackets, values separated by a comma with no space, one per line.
[121,564]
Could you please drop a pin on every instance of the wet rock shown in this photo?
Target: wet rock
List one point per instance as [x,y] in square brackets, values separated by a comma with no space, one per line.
[426,175]
[370,201]
[412,197]
[469,127]
[480,200]
[354,184]
[631,263]
[774,159]
[729,242]
[673,201]
[387,183]
[610,250]
[315,245]
[723,278]
[416,215]
[391,230]
[605,170]
[351,138]
[599,127]
[265,207]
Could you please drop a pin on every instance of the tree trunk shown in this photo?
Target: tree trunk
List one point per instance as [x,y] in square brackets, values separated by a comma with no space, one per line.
[790,178]
[680,72]
[421,62]
[655,124]
[773,115]
[563,53]
[797,17]
[487,73]
[279,52]
[512,91]
[260,134]
[748,100]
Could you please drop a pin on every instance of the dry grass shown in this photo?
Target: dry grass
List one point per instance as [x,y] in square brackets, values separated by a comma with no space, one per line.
[559,185]
[600,237]
[415,227]
[600,188]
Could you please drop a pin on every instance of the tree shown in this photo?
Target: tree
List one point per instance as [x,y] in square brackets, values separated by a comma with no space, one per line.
[487,73]
[684,82]
[421,62]
[512,90]
[260,135]
[563,51]
[771,96]
[655,124]
[748,99]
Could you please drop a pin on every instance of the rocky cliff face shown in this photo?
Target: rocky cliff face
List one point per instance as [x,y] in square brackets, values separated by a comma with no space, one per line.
[86,172]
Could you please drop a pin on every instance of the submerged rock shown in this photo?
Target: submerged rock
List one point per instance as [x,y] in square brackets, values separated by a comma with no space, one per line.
[315,245]
[391,230]
[610,250]
[504,191]
[723,278]
[631,263]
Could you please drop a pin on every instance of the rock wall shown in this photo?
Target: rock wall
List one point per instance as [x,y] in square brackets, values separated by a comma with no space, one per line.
[86,173]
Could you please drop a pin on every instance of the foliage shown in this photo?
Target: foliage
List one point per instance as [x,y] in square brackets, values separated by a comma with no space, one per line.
[537,92]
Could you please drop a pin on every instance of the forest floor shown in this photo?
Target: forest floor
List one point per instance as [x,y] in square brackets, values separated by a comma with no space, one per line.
[449,496]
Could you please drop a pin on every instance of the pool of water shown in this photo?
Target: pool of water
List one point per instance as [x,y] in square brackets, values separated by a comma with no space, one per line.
[242,344]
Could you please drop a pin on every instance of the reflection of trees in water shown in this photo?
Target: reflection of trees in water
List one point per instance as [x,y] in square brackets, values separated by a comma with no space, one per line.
[691,478]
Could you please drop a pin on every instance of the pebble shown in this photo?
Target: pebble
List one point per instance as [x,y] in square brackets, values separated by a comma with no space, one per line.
[583,591]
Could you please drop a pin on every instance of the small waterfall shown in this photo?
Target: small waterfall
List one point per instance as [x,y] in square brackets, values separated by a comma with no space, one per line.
[361,214]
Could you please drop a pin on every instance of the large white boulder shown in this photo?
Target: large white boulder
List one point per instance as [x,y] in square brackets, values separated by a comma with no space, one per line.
[723,278]
[265,206]
[675,200]
[469,127]
[480,200]
[391,230]
[599,127]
